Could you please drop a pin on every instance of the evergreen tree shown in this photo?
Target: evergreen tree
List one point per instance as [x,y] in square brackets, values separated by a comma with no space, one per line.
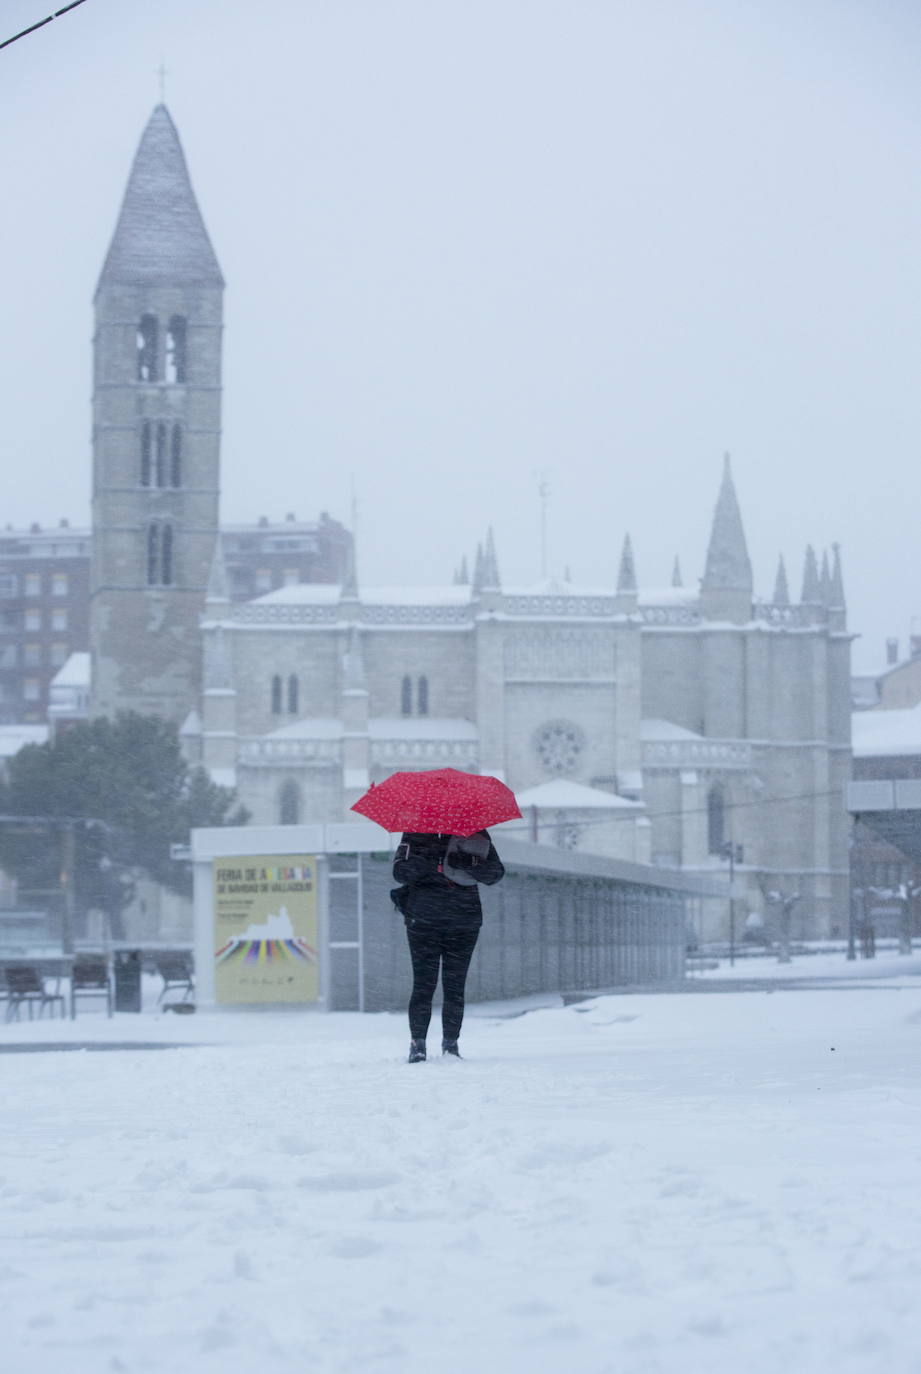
[128,781]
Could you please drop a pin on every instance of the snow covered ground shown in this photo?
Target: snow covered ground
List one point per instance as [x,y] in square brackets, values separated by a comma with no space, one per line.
[643,1184]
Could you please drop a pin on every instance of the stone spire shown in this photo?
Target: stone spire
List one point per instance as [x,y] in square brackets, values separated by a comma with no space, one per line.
[812,591]
[781,586]
[463,573]
[626,594]
[676,574]
[490,570]
[218,592]
[160,238]
[825,579]
[626,574]
[478,568]
[726,589]
[350,581]
[836,591]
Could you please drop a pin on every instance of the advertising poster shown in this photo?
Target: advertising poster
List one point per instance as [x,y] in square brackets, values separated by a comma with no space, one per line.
[265,929]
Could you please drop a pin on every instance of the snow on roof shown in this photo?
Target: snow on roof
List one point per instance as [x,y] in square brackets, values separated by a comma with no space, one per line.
[655,729]
[667,596]
[75,671]
[552,586]
[302,594]
[381,727]
[15,737]
[886,733]
[330,593]
[562,794]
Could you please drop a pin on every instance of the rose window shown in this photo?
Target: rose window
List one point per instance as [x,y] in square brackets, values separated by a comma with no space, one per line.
[558,746]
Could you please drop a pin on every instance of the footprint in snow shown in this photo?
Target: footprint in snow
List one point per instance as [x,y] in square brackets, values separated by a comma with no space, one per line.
[347,1182]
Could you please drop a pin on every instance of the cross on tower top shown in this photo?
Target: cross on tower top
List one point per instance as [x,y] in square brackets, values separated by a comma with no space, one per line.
[162,74]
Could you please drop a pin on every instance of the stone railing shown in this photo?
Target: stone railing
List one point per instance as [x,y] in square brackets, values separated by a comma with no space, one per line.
[416,615]
[670,615]
[559,605]
[462,752]
[794,616]
[697,753]
[256,613]
[273,753]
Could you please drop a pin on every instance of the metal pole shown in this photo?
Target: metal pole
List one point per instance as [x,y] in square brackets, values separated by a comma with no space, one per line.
[851,893]
[68,857]
[360,899]
[732,905]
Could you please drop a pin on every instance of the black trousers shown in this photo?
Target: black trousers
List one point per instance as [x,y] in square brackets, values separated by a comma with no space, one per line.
[430,946]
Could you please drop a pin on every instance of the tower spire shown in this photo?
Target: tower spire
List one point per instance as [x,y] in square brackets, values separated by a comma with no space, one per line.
[726,589]
[836,592]
[626,574]
[490,571]
[676,574]
[781,586]
[160,238]
[812,592]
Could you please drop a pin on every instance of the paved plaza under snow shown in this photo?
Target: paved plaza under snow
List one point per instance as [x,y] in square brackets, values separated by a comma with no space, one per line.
[682,1182]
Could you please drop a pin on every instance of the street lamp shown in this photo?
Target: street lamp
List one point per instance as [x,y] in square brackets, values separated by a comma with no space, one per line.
[735,854]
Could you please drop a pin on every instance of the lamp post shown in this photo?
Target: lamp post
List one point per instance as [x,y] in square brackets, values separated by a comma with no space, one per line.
[735,854]
[852,891]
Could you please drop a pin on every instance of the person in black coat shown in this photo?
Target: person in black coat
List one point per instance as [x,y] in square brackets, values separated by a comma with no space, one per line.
[440,902]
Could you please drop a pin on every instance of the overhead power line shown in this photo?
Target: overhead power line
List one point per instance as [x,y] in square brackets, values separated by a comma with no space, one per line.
[41,23]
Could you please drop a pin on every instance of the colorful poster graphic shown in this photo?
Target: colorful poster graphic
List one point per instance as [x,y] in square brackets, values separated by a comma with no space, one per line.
[265,929]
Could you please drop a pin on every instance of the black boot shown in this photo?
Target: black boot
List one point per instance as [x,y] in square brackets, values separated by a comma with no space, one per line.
[416,1051]
[450,1047]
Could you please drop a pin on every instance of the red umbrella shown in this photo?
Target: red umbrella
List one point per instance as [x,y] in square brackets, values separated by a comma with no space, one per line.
[438,801]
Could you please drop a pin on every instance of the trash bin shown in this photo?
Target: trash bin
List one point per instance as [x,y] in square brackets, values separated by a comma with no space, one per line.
[127,971]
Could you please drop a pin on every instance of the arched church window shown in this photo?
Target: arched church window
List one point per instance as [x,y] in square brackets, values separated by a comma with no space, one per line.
[175,457]
[289,803]
[716,819]
[422,696]
[146,439]
[176,350]
[166,555]
[160,468]
[293,694]
[147,349]
[406,696]
[276,695]
[153,555]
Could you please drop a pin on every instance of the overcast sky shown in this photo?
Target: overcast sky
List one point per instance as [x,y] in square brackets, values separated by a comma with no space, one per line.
[469,242]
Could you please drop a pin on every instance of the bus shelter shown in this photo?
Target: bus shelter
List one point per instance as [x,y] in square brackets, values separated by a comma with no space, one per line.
[300,915]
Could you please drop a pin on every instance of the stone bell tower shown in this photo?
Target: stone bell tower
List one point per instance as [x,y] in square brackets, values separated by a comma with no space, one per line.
[156,438]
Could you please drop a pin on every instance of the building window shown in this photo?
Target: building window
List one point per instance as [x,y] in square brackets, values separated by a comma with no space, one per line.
[33,620]
[59,655]
[406,696]
[9,585]
[176,350]
[147,348]
[290,577]
[716,820]
[263,580]
[32,689]
[59,618]
[166,556]
[145,453]
[276,695]
[32,655]
[289,803]
[153,555]
[32,584]
[175,456]
[422,696]
[293,695]
[161,455]
[59,584]
[159,555]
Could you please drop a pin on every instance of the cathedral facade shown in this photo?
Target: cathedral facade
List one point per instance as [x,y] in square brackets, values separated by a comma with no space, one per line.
[668,727]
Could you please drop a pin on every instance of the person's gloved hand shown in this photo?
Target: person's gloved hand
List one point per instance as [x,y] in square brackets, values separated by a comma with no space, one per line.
[460,858]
